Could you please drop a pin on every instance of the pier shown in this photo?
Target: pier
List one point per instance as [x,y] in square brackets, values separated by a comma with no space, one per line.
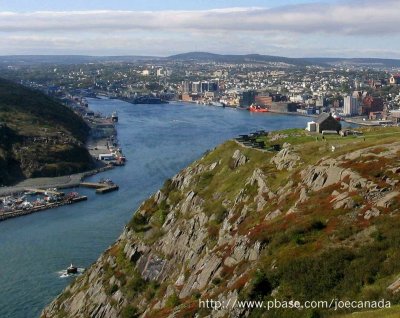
[101,187]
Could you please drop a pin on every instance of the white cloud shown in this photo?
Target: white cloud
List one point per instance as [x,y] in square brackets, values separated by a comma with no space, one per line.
[354,28]
[354,18]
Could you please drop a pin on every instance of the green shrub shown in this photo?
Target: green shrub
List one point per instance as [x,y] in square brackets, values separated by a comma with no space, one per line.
[174,197]
[260,286]
[204,180]
[167,187]
[136,284]
[316,277]
[216,281]
[159,217]
[318,225]
[130,312]
[138,223]
[112,289]
[172,301]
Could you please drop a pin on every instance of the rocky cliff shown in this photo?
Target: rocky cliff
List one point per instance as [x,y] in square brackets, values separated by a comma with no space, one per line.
[317,220]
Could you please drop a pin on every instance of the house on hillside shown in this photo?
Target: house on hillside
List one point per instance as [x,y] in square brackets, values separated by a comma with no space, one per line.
[325,121]
[395,79]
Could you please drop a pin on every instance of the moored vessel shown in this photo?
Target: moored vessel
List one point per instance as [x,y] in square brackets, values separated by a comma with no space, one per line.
[257,109]
[114,116]
[72,269]
[336,116]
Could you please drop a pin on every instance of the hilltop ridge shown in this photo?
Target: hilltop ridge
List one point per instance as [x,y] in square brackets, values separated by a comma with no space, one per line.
[39,136]
[307,222]
[201,56]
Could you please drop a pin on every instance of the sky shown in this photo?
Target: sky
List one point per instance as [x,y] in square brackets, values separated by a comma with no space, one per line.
[293,28]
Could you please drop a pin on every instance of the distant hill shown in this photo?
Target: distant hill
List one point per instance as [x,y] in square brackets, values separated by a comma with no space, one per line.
[355,61]
[6,60]
[67,59]
[38,136]
[204,56]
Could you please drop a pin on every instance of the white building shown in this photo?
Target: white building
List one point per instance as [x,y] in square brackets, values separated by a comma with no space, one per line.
[196,87]
[311,126]
[350,106]
[160,72]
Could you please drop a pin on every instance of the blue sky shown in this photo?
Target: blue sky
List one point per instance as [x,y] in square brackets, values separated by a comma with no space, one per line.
[295,28]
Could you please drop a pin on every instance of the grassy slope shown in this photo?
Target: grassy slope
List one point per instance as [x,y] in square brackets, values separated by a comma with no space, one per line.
[317,252]
[30,114]
[26,111]
[392,312]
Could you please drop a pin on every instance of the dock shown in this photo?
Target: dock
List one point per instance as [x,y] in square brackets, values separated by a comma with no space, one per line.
[38,208]
[100,187]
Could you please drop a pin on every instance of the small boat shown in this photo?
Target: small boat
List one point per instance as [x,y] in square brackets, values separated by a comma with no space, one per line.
[7,201]
[72,269]
[114,116]
[30,193]
[217,104]
[257,109]
[106,181]
[336,116]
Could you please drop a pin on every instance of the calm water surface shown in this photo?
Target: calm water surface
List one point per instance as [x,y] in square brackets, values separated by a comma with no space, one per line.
[158,141]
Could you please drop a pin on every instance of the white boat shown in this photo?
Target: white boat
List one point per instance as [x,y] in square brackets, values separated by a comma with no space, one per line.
[336,116]
[217,104]
[26,205]
[7,201]
[114,116]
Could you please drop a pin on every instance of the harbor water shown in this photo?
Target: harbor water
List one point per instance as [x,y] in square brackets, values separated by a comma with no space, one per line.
[158,141]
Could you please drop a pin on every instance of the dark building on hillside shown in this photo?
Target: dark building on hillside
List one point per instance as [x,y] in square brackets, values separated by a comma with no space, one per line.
[371,104]
[325,121]
[279,98]
[248,98]
[263,100]
[284,107]
[209,86]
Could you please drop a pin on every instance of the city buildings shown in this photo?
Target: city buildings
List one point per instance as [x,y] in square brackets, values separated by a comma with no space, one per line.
[248,98]
[351,106]
[351,90]
[371,104]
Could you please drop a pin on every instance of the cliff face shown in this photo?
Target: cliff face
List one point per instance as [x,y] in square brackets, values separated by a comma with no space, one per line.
[303,223]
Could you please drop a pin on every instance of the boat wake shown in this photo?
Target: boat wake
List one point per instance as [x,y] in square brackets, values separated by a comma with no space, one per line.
[181,121]
[64,274]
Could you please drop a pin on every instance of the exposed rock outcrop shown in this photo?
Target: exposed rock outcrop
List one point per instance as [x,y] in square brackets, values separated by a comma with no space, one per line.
[190,242]
[286,158]
[239,159]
